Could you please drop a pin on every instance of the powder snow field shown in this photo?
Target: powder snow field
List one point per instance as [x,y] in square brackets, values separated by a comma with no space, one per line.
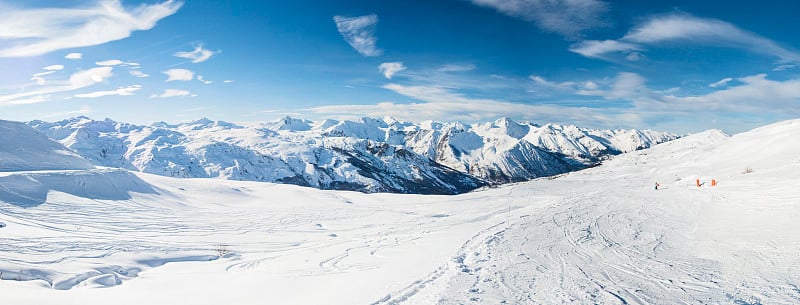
[598,236]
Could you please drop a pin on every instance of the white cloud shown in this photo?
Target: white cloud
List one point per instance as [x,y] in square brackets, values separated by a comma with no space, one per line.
[197,55]
[44,73]
[115,62]
[756,94]
[78,80]
[74,56]
[625,86]
[720,83]
[31,100]
[566,17]
[112,62]
[546,83]
[37,77]
[685,28]
[203,80]
[138,73]
[36,31]
[121,91]
[359,32]
[590,85]
[54,67]
[599,48]
[634,56]
[65,114]
[39,80]
[784,67]
[439,102]
[179,74]
[171,93]
[390,68]
[456,68]
[228,81]
[629,86]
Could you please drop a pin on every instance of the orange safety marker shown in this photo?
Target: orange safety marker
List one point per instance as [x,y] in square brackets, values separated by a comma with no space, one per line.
[698,182]
[713,182]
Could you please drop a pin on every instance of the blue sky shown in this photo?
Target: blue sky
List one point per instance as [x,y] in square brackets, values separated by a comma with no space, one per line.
[681,66]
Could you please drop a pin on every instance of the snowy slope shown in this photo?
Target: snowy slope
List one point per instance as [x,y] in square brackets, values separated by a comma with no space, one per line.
[599,236]
[22,148]
[370,155]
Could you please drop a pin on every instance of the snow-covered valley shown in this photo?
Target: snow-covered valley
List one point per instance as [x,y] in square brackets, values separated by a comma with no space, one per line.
[603,235]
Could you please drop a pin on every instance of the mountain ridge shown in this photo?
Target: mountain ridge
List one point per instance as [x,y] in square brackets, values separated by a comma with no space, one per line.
[367,155]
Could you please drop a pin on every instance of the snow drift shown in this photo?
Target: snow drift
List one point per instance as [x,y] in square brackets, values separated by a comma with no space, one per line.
[24,149]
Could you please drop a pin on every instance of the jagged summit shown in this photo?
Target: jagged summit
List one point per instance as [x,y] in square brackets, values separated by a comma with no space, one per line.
[369,154]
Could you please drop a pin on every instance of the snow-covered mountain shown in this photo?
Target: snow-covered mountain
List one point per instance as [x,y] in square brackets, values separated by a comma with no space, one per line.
[25,149]
[598,236]
[370,155]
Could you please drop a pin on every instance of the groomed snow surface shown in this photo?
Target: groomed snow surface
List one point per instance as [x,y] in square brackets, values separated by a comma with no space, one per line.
[599,236]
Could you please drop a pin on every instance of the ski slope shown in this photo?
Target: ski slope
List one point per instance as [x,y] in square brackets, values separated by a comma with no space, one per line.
[598,236]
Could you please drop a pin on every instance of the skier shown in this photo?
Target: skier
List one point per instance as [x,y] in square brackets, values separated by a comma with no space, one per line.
[657,185]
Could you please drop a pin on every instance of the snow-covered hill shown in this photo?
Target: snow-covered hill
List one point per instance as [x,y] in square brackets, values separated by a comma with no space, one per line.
[22,148]
[603,235]
[370,155]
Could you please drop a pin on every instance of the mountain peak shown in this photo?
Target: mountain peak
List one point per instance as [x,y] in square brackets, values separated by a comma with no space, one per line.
[368,154]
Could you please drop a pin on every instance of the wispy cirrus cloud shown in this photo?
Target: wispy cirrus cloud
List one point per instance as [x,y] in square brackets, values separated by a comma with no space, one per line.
[546,83]
[44,73]
[684,28]
[390,68]
[565,17]
[600,48]
[359,32]
[36,31]
[755,94]
[54,67]
[784,67]
[198,55]
[31,100]
[171,93]
[78,80]
[123,91]
[456,68]
[179,74]
[203,80]
[65,114]
[138,73]
[38,77]
[438,102]
[74,56]
[720,83]
[115,62]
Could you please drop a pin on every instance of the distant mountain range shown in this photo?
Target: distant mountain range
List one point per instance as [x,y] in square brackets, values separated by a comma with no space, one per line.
[370,155]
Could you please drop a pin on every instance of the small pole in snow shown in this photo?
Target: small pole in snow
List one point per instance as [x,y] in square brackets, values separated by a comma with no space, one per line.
[508,219]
